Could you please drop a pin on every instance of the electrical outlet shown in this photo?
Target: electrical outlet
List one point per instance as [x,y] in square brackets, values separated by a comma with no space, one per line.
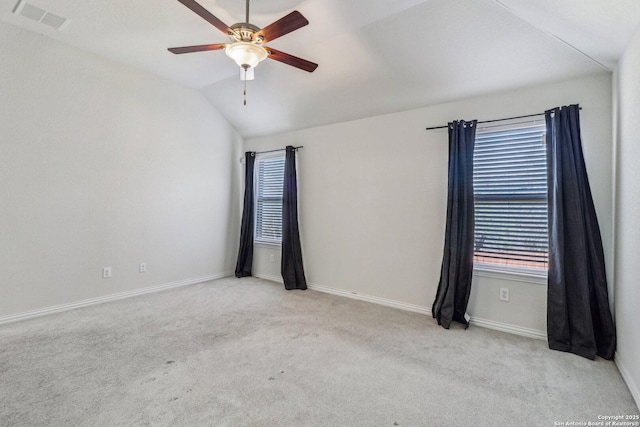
[272,258]
[504,294]
[106,273]
[143,267]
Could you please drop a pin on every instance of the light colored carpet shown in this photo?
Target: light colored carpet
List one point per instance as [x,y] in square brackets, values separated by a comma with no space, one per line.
[244,352]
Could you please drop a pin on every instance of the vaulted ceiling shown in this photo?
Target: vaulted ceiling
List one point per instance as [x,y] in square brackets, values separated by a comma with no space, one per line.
[375,56]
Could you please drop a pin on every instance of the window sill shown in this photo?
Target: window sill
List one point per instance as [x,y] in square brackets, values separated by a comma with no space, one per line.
[517,274]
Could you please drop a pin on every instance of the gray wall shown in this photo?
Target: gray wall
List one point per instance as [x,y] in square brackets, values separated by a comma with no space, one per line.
[627,271]
[373,201]
[103,165]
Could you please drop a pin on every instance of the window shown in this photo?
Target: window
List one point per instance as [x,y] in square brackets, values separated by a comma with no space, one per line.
[269,185]
[510,188]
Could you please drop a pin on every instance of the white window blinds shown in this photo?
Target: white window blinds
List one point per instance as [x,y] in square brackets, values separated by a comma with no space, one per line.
[510,186]
[269,186]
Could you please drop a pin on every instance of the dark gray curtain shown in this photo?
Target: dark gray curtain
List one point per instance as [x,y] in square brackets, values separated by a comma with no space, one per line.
[245,253]
[457,261]
[291,267]
[578,316]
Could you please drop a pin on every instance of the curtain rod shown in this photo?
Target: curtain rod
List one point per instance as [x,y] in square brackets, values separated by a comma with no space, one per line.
[495,120]
[270,151]
[274,151]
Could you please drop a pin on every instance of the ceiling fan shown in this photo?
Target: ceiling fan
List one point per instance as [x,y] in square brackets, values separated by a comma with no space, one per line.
[247,47]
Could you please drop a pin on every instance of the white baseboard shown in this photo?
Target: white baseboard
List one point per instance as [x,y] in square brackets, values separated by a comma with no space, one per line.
[506,327]
[626,376]
[113,297]
[269,277]
[376,300]
[484,323]
[353,295]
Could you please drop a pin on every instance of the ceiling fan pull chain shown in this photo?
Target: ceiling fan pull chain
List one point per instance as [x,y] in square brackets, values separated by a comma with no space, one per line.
[245,85]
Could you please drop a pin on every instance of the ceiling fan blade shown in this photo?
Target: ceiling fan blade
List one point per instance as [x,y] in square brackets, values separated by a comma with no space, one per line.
[294,61]
[283,26]
[200,48]
[206,15]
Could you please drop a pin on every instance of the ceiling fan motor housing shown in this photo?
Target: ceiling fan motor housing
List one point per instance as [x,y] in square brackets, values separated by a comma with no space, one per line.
[244,32]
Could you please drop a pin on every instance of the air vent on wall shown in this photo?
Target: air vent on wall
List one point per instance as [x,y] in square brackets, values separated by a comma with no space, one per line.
[40,15]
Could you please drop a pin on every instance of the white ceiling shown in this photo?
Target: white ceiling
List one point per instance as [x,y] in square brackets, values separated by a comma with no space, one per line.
[375,56]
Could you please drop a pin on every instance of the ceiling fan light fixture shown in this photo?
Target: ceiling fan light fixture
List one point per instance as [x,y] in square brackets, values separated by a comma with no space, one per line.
[246,54]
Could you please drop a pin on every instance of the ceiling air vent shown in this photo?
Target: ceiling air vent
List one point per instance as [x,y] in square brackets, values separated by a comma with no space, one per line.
[40,15]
